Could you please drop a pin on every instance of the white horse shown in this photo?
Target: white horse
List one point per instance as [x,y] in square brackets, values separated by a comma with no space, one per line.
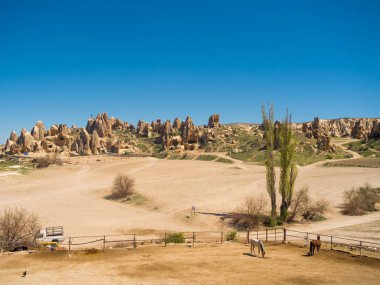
[259,244]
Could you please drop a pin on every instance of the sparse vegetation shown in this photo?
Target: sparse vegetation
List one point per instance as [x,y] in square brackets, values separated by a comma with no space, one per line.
[361,200]
[358,162]
[137,199]
[224,160]
[250,214]
[366,149]
[302,206]
[17,227]
[123,187]
[46,161]
[175,238]
[231,236]
[207,157]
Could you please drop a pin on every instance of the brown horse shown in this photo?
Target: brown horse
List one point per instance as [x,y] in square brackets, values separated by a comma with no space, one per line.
[315,244]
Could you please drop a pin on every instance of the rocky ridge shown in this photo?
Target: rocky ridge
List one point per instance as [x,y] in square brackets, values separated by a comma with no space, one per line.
[104,134]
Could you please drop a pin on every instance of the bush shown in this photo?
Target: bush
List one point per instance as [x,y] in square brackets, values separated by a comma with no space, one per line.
[45,161]
[17,228]
[123,186]
[250,214]
[314,211]
[360,200]
[231,236]
[304,207]
[175,238]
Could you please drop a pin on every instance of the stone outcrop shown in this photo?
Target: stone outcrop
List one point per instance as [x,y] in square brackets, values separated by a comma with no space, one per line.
[323,142]
[117,124]
[165,134]
[25,141]
[375,132]
[95,143]
[102,125]
[143,129]
[213,121]
[190,133]
[103,135]
[13,137]
[177,124]
[356,128]
[208,136]
[53,131]
[38,131]
[156,126]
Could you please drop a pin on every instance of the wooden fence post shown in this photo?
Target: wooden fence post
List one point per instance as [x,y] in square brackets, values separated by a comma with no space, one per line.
[257,234]
[266,235]
[360,248]
[104,242]
[275,235]
[134,241]
[284,235]
[248,236]
[69,243]
[165,239]
[221,238]
[307,239]
[193,238]
[331,243]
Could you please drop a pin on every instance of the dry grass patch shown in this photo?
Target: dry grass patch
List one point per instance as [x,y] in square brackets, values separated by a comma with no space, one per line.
[358,162]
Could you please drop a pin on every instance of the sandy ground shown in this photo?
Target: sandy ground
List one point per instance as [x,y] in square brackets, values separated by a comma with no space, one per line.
[220,264]
[73,195]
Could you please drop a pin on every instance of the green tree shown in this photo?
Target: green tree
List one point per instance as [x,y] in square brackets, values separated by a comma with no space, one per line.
[288,167]
[268,123]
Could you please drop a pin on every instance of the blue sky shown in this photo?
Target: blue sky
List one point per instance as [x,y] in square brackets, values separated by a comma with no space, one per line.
[61,61]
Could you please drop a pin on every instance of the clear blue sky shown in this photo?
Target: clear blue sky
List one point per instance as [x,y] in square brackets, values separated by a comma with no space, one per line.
[61,61]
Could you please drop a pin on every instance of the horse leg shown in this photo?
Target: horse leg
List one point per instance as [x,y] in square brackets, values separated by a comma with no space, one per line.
[311,248]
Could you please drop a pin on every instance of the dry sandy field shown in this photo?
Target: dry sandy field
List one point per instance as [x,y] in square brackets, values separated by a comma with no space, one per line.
[202,264]
[73,195]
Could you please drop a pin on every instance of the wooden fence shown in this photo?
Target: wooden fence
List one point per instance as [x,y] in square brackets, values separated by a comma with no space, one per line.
[276,235]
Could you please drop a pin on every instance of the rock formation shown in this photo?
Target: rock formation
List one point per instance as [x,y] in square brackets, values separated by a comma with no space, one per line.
[213,121]
[25,141]
[177,124]
[103,135]
[189,131]
[165,134]
[323,142]
[13,137]
[355,128]
[143,129]
[38,131]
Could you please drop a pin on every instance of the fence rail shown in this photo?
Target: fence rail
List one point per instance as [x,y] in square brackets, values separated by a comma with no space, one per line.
[277,235]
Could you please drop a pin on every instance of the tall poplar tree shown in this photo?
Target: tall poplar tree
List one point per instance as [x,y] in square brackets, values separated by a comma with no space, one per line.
[268,123]
[288,167]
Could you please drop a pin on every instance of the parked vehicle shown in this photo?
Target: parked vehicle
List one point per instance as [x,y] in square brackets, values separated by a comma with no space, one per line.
[50,234]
